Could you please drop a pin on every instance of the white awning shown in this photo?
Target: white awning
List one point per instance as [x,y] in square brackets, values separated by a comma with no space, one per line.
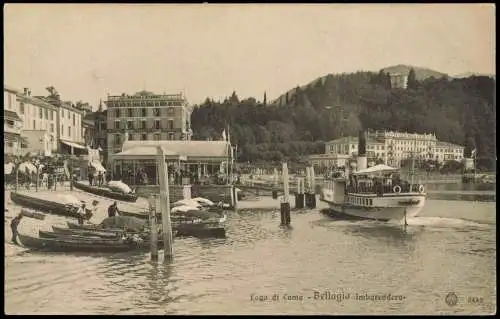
[98,166]
[8,168]
[74,145]
[376,169]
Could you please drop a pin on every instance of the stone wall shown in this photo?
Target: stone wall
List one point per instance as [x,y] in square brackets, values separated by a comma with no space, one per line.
[177,192]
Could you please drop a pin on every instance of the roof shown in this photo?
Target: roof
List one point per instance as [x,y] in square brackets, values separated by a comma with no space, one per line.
[88,122]
[353,139]
[446,144]
[186,148]
[145,150]
[11,115]
[36,101]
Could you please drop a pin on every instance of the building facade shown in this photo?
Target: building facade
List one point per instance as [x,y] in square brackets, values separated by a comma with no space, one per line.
[58,125]
[199,157]
[12,128]
[399,80]
[391,148]
[96,135]
[147,117]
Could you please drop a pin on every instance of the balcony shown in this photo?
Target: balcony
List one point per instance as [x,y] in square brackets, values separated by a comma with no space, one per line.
[12,128]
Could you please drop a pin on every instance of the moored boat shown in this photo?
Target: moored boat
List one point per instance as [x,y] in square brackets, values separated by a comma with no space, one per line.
[71,245]
[67,209]
[106,192]
[79,237]
[80,232]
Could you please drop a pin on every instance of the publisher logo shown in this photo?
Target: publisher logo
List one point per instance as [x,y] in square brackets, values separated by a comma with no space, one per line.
[451,299]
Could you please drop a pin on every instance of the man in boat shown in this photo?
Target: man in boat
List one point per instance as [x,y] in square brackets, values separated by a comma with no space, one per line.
[13,226]
[81,214]
[113,210]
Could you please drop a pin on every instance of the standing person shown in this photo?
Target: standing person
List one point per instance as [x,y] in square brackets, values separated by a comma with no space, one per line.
[113,210]
[100,179]
[91,177]
[13,226]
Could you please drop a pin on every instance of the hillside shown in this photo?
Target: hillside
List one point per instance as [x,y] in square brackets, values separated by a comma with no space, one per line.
[420,73]
[459,111]
[469,74]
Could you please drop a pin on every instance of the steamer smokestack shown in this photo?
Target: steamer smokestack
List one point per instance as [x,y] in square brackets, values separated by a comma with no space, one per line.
[362,150]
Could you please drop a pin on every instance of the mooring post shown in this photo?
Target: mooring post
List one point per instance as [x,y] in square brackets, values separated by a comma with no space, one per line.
[235,190]
[285,205]
[299,197]
[313,188]
[307,186]
[165,205]
[152,225]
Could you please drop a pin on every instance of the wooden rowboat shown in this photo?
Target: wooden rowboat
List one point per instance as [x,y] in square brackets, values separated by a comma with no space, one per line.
[45,205]
[106,192]
[77,237]
[69,231]
[207,229]
[71,245]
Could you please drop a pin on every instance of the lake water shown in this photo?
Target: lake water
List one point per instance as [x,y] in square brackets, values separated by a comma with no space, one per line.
[449,248]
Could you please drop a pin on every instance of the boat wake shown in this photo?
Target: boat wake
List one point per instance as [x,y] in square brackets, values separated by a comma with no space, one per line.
[445,222]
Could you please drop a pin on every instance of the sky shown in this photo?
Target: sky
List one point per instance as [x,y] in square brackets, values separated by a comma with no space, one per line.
[87,51]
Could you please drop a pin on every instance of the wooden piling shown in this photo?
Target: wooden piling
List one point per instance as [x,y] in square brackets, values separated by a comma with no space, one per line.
[285,205]
[313,188]
[152,226]
[299,196]
[234,191]
[165,205]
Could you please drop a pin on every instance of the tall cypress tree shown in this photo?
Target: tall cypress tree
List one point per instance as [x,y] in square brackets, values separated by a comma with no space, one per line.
[412,80]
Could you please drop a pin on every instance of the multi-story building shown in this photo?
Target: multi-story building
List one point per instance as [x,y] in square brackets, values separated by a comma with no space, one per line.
[146,116]
[12,128]
[47,126]
[390,148]
[96,135]
[37,117]
[399,80]
[12,122]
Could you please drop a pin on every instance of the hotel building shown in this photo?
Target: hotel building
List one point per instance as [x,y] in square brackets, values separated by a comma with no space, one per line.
[147,117]
[390,148]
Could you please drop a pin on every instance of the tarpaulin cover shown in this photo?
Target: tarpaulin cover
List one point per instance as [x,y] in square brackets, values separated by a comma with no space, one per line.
[119,186]
[130,223]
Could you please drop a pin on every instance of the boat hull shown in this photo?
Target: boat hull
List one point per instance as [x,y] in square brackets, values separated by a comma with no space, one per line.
[70,245]
[345,211]
[78,232]
[106,192]
[383,208]
[44,205]
[182,229]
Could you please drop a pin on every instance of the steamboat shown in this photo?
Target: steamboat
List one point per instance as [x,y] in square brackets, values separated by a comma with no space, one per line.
[376,193]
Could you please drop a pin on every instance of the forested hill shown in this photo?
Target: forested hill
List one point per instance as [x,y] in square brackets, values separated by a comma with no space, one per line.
[456,111]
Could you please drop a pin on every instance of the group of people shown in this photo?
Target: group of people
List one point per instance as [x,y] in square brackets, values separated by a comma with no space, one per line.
[84,213]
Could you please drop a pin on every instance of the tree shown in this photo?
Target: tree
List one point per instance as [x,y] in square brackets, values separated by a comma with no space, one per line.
[53,94]
[412,80]
[265,98]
